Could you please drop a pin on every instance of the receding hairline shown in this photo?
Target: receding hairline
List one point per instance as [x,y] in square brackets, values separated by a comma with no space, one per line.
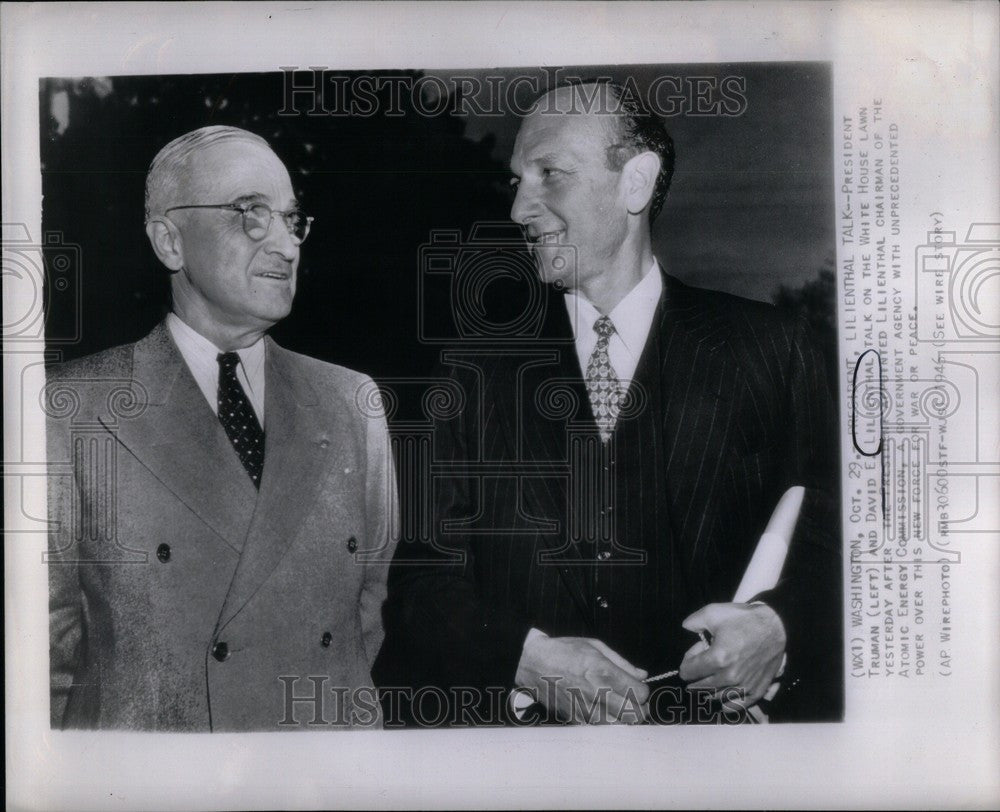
[633,128]
[171,167]
[612,120]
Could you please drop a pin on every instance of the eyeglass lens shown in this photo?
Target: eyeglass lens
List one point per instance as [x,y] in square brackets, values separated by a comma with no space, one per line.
[257,221]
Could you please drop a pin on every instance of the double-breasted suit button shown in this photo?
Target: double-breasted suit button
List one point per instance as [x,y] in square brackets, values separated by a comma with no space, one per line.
[163,553]
[326,640]
[324,443]
[221,652]
[352,544]
[602,602]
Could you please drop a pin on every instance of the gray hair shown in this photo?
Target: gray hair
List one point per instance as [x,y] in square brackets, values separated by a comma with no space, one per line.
[167,169]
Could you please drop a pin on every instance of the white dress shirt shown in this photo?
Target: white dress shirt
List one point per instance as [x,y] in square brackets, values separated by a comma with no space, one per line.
[632,318]
[201,357]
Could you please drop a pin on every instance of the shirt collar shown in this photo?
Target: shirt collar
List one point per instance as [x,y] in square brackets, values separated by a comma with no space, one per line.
[632,316]
[251,357]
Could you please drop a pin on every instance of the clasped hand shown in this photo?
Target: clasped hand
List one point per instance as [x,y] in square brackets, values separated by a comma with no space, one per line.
[748,644]
[582,680]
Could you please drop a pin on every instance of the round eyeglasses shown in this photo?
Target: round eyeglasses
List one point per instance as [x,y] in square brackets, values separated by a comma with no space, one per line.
[257,218]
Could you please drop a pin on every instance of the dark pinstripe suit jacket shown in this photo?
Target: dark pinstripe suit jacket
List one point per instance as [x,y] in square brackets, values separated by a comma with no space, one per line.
[734,410]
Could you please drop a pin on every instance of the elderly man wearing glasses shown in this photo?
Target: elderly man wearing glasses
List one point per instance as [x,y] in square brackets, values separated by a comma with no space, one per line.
[222,509]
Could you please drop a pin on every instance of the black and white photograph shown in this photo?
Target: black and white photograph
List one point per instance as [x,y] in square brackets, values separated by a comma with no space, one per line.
[625,474]
[499,409]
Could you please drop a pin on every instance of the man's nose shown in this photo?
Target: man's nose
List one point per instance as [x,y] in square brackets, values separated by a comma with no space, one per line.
[525,205]
[280,240]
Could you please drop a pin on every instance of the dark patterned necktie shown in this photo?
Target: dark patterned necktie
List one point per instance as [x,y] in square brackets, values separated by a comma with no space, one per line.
[603,385]
[238,418]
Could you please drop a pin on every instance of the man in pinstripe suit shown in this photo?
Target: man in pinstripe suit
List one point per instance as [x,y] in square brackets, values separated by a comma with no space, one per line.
[609,484]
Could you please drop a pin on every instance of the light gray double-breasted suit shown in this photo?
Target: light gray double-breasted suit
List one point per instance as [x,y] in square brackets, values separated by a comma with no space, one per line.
[180,597]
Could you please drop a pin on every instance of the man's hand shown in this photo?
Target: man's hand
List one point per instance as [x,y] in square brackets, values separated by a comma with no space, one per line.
[582,680]
[748,642]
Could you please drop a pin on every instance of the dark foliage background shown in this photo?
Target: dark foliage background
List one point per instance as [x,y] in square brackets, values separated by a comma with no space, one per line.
[751,210]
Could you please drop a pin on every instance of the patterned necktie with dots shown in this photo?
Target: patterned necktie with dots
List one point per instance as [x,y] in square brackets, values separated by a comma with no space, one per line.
[238,418]
[603,385]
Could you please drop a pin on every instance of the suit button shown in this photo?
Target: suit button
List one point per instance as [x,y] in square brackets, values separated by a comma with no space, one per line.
[221,652]
[326,640]
[163,553]
[602,602]
[352,544]
[604,555]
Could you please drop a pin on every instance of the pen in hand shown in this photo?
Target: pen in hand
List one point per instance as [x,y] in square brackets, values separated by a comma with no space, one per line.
[668,674]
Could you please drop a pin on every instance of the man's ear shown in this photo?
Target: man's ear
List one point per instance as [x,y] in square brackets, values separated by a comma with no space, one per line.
[166,241]
[639,177]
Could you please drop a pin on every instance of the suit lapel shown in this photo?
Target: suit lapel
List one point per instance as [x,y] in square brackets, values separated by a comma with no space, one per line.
[700,382]
[299,445]
[179,439]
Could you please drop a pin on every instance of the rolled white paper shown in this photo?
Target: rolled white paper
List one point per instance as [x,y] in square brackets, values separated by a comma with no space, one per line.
[765,566]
